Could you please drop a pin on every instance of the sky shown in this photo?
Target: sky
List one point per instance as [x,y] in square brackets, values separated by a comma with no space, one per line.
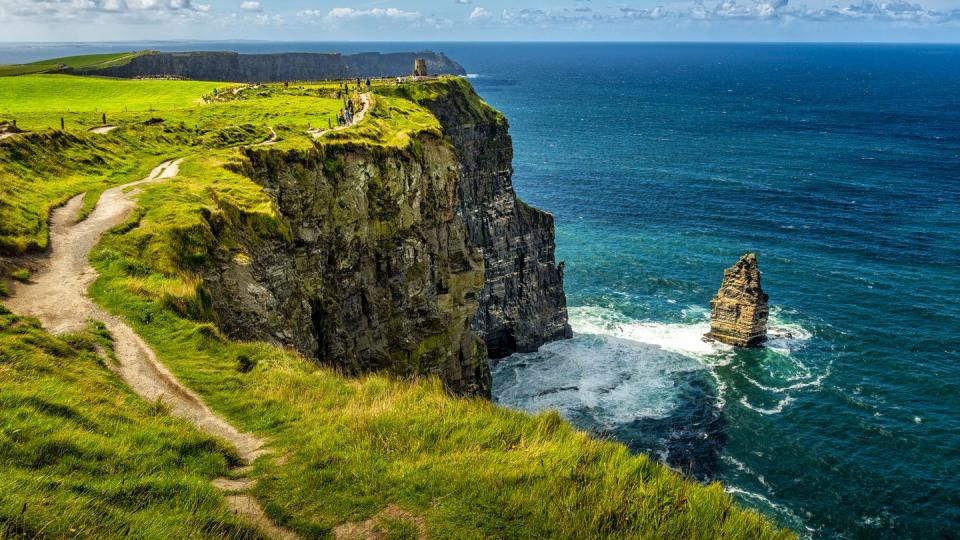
[482,20]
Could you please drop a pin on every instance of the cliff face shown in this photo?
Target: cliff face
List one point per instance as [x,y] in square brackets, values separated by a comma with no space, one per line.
[522,305]
[738,313]
[234,67]
[417,260]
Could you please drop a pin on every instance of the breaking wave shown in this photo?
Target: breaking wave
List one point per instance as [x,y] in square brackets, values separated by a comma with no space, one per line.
[660,388]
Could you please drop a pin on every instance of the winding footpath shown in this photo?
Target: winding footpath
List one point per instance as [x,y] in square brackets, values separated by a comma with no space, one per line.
[357,118]
[57,296]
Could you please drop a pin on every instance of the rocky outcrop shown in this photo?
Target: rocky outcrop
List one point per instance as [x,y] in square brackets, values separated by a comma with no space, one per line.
[416,260]
[738,313]
[235,67]
[523,304]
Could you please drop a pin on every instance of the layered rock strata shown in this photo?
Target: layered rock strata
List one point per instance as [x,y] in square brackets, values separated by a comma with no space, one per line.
[522,305]
[417,260]
[739,311]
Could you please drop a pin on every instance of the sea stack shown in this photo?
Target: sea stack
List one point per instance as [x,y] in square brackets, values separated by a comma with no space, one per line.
[738,313]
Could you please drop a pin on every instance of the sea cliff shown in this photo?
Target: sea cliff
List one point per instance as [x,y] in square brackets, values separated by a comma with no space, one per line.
[235,67]
[418,259]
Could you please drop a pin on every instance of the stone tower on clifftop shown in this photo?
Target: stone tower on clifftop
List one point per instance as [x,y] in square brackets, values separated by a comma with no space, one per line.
[738,313]
[420,67]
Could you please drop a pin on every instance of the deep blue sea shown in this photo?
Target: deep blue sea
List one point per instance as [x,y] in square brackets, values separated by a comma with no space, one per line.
[839,165]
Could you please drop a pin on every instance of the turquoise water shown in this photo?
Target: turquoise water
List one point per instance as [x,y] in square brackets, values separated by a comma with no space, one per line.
[840,167]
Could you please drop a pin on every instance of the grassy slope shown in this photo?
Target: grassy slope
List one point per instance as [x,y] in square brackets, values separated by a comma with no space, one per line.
[94,60]
[43,169]
[469,468]
[80,455]
[87,61]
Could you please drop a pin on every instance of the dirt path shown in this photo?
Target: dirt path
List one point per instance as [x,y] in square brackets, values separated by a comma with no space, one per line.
[357,118]
[102,129]
[272,139]
[57,296]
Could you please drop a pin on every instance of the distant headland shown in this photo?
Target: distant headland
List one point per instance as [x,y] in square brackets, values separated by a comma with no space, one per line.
[236,67]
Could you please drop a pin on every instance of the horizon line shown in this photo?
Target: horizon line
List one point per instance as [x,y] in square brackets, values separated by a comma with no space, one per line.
[468,42]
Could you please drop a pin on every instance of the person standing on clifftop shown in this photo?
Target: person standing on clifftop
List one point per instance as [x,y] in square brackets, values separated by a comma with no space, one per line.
[368,85]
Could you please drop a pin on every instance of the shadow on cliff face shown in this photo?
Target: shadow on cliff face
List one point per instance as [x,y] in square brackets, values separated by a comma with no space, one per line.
[654,401]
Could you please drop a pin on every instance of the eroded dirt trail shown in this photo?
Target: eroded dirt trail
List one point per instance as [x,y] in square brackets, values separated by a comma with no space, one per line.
[57,296]
[357,118]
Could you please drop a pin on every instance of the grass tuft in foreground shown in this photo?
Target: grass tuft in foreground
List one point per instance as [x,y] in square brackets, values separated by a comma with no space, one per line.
[82,456]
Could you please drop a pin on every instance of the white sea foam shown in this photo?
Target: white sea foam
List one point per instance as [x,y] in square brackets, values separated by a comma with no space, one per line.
[683,338]
[742,467]
[610,380]
[686,338]
[814,383]
[771,411]
[778,508]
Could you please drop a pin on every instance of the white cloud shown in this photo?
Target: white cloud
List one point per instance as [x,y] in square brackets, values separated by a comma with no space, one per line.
[731,10]
[126,10]
[382,17]
[376,13]
[479,14]
[251,6]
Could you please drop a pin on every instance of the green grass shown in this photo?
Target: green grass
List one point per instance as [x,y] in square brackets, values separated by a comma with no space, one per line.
[93,60]
[14,70]
[468,468]
[43,169]
[83,62]
[81,456]
[34,97]
[22,275]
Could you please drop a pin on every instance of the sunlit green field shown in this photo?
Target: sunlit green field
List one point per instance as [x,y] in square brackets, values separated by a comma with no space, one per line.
[76,62]
[162,119]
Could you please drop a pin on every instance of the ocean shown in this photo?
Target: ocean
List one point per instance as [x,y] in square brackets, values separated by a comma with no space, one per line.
[839,165]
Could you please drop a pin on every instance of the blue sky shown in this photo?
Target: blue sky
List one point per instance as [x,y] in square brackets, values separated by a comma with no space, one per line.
[478,20]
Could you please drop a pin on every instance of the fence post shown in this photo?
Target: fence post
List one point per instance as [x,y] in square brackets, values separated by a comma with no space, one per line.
[61,123]
[104,119]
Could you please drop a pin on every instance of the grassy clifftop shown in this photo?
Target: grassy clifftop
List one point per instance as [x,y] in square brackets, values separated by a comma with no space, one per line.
[83,62]
[343,448]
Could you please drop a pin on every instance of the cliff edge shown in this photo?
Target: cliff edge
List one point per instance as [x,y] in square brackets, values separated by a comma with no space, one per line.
[414,257]
[235,67]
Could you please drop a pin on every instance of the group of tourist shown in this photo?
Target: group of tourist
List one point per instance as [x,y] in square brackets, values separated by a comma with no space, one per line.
[345,116]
